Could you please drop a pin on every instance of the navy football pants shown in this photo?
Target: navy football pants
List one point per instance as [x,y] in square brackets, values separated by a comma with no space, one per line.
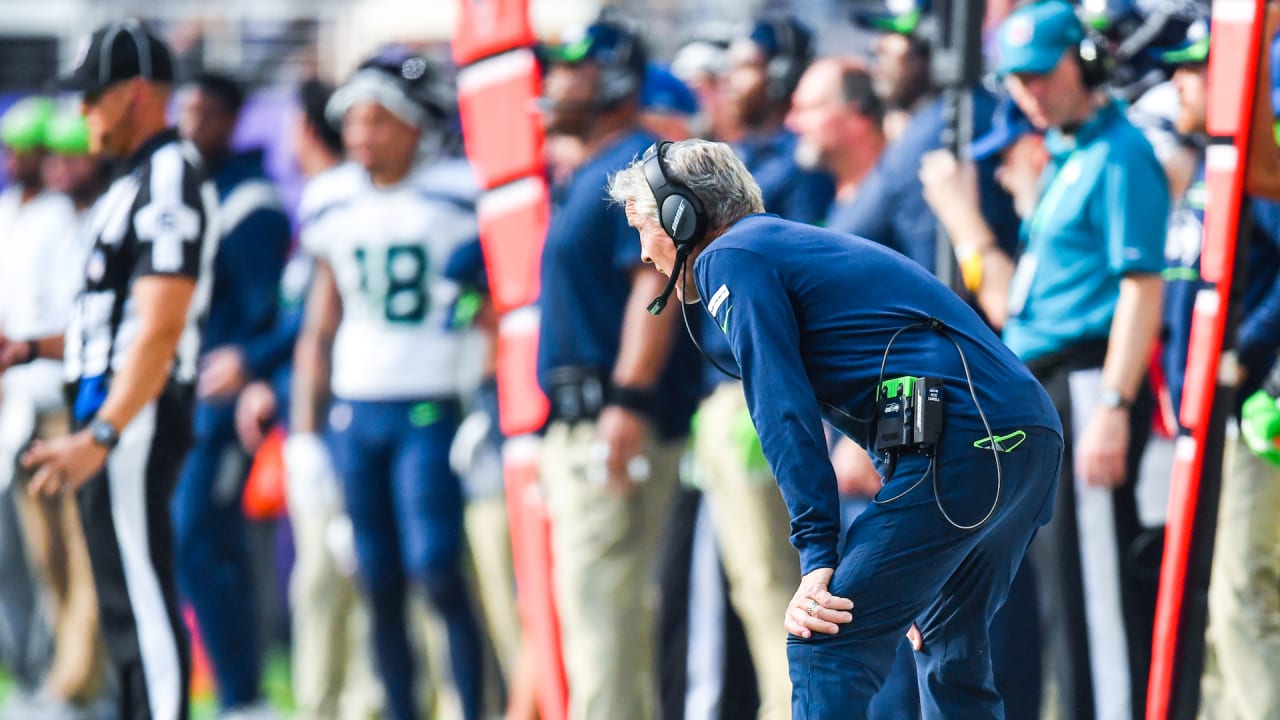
[905,562]
[406,510]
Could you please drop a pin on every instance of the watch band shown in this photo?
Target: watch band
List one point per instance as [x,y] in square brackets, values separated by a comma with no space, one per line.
[33,352]
[1113,399]
[635,399]
[104,433]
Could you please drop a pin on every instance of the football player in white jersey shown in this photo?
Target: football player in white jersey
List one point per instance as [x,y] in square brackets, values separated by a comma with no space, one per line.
[381,332]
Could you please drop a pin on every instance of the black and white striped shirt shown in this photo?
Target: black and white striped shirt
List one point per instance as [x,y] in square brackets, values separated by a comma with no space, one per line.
[157,218]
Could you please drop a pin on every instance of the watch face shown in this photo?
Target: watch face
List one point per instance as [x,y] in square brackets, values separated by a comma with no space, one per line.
[103,433]
[1112,399]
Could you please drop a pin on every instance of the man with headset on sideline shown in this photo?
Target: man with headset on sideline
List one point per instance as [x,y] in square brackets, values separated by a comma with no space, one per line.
[1080,315]
[130,359]
[967,441]
[766,61]
[619,384]
[765,65]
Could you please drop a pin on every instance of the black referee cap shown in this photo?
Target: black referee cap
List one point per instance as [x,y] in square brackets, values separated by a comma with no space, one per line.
[117,52]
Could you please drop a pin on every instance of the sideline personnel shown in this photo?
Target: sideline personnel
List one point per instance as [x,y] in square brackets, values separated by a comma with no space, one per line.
[130,359]
[817,321]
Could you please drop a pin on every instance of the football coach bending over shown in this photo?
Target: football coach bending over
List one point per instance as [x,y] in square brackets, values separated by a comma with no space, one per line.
[831,326]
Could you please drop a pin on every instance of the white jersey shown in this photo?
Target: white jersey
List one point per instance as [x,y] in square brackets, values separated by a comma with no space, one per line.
[43,249]
[389,249]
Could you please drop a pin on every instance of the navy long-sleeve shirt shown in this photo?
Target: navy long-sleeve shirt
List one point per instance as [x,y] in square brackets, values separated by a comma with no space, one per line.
[808,314]
[789,191]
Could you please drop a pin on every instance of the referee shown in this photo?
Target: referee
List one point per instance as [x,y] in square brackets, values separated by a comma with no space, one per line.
[130,359]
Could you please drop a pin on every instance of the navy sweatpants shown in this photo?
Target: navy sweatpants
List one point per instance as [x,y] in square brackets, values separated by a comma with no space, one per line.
[906,563]
[406,511]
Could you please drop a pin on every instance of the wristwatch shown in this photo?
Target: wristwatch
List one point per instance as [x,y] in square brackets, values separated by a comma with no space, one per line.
[104,433]
[1113,400]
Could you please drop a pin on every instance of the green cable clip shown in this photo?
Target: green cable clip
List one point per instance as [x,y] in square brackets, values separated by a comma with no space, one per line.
[1000,441]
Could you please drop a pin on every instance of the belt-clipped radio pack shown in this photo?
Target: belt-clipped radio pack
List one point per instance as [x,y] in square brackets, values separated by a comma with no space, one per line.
[909,415]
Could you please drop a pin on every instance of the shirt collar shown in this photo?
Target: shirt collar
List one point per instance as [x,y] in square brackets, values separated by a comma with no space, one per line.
[149,146]
[1060,145]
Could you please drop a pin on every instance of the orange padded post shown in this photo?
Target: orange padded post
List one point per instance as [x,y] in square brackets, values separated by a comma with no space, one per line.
[498,84]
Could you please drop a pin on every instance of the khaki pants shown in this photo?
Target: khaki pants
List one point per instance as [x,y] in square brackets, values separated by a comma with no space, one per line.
[605,546]
[489,536]
[58,554]
[1243,639]
[752,527]
[332,665]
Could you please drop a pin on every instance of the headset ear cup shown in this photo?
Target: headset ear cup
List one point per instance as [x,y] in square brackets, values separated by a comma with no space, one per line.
[1094,59]
[679,219]
[774,78]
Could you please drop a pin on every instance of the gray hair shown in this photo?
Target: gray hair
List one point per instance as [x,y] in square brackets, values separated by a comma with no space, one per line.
[709,169]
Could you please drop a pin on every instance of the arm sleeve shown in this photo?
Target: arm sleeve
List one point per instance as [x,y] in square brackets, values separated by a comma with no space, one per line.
[997,209]
[254,253]
[1136,213]
[311,231]
[761,325]
[915,227]
[867,215]
[170,218]
[465,265]
[1259,333]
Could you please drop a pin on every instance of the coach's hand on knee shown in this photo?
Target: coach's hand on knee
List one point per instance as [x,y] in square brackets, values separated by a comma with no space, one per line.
[814,609]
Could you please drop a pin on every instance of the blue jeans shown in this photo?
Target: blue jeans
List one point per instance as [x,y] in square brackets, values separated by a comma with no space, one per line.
[406,508]
[214,571]
[906,563]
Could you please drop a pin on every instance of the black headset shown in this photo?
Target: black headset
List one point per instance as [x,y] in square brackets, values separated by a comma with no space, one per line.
[679,210]
[793,54]
[1093,55]
[621,74]
[680,213]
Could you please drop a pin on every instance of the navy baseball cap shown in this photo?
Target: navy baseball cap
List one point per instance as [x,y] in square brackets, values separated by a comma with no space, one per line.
[1033,37]
[663,92]
[781,36]
[604,42]
[1007,126]
[1193,50]
[117,52]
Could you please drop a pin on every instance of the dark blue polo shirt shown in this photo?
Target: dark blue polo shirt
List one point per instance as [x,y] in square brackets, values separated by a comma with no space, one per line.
[808,313]
[587,267]
[890,207]
[788,190]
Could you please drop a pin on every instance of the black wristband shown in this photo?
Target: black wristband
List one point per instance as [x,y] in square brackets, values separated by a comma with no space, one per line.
[631,398]
[33,352]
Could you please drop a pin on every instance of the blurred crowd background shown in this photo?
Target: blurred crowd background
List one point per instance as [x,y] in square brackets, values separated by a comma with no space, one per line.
[866,113]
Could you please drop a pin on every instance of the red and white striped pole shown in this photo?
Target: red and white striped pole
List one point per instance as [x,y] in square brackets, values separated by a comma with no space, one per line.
[1212,372]
[498,82]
